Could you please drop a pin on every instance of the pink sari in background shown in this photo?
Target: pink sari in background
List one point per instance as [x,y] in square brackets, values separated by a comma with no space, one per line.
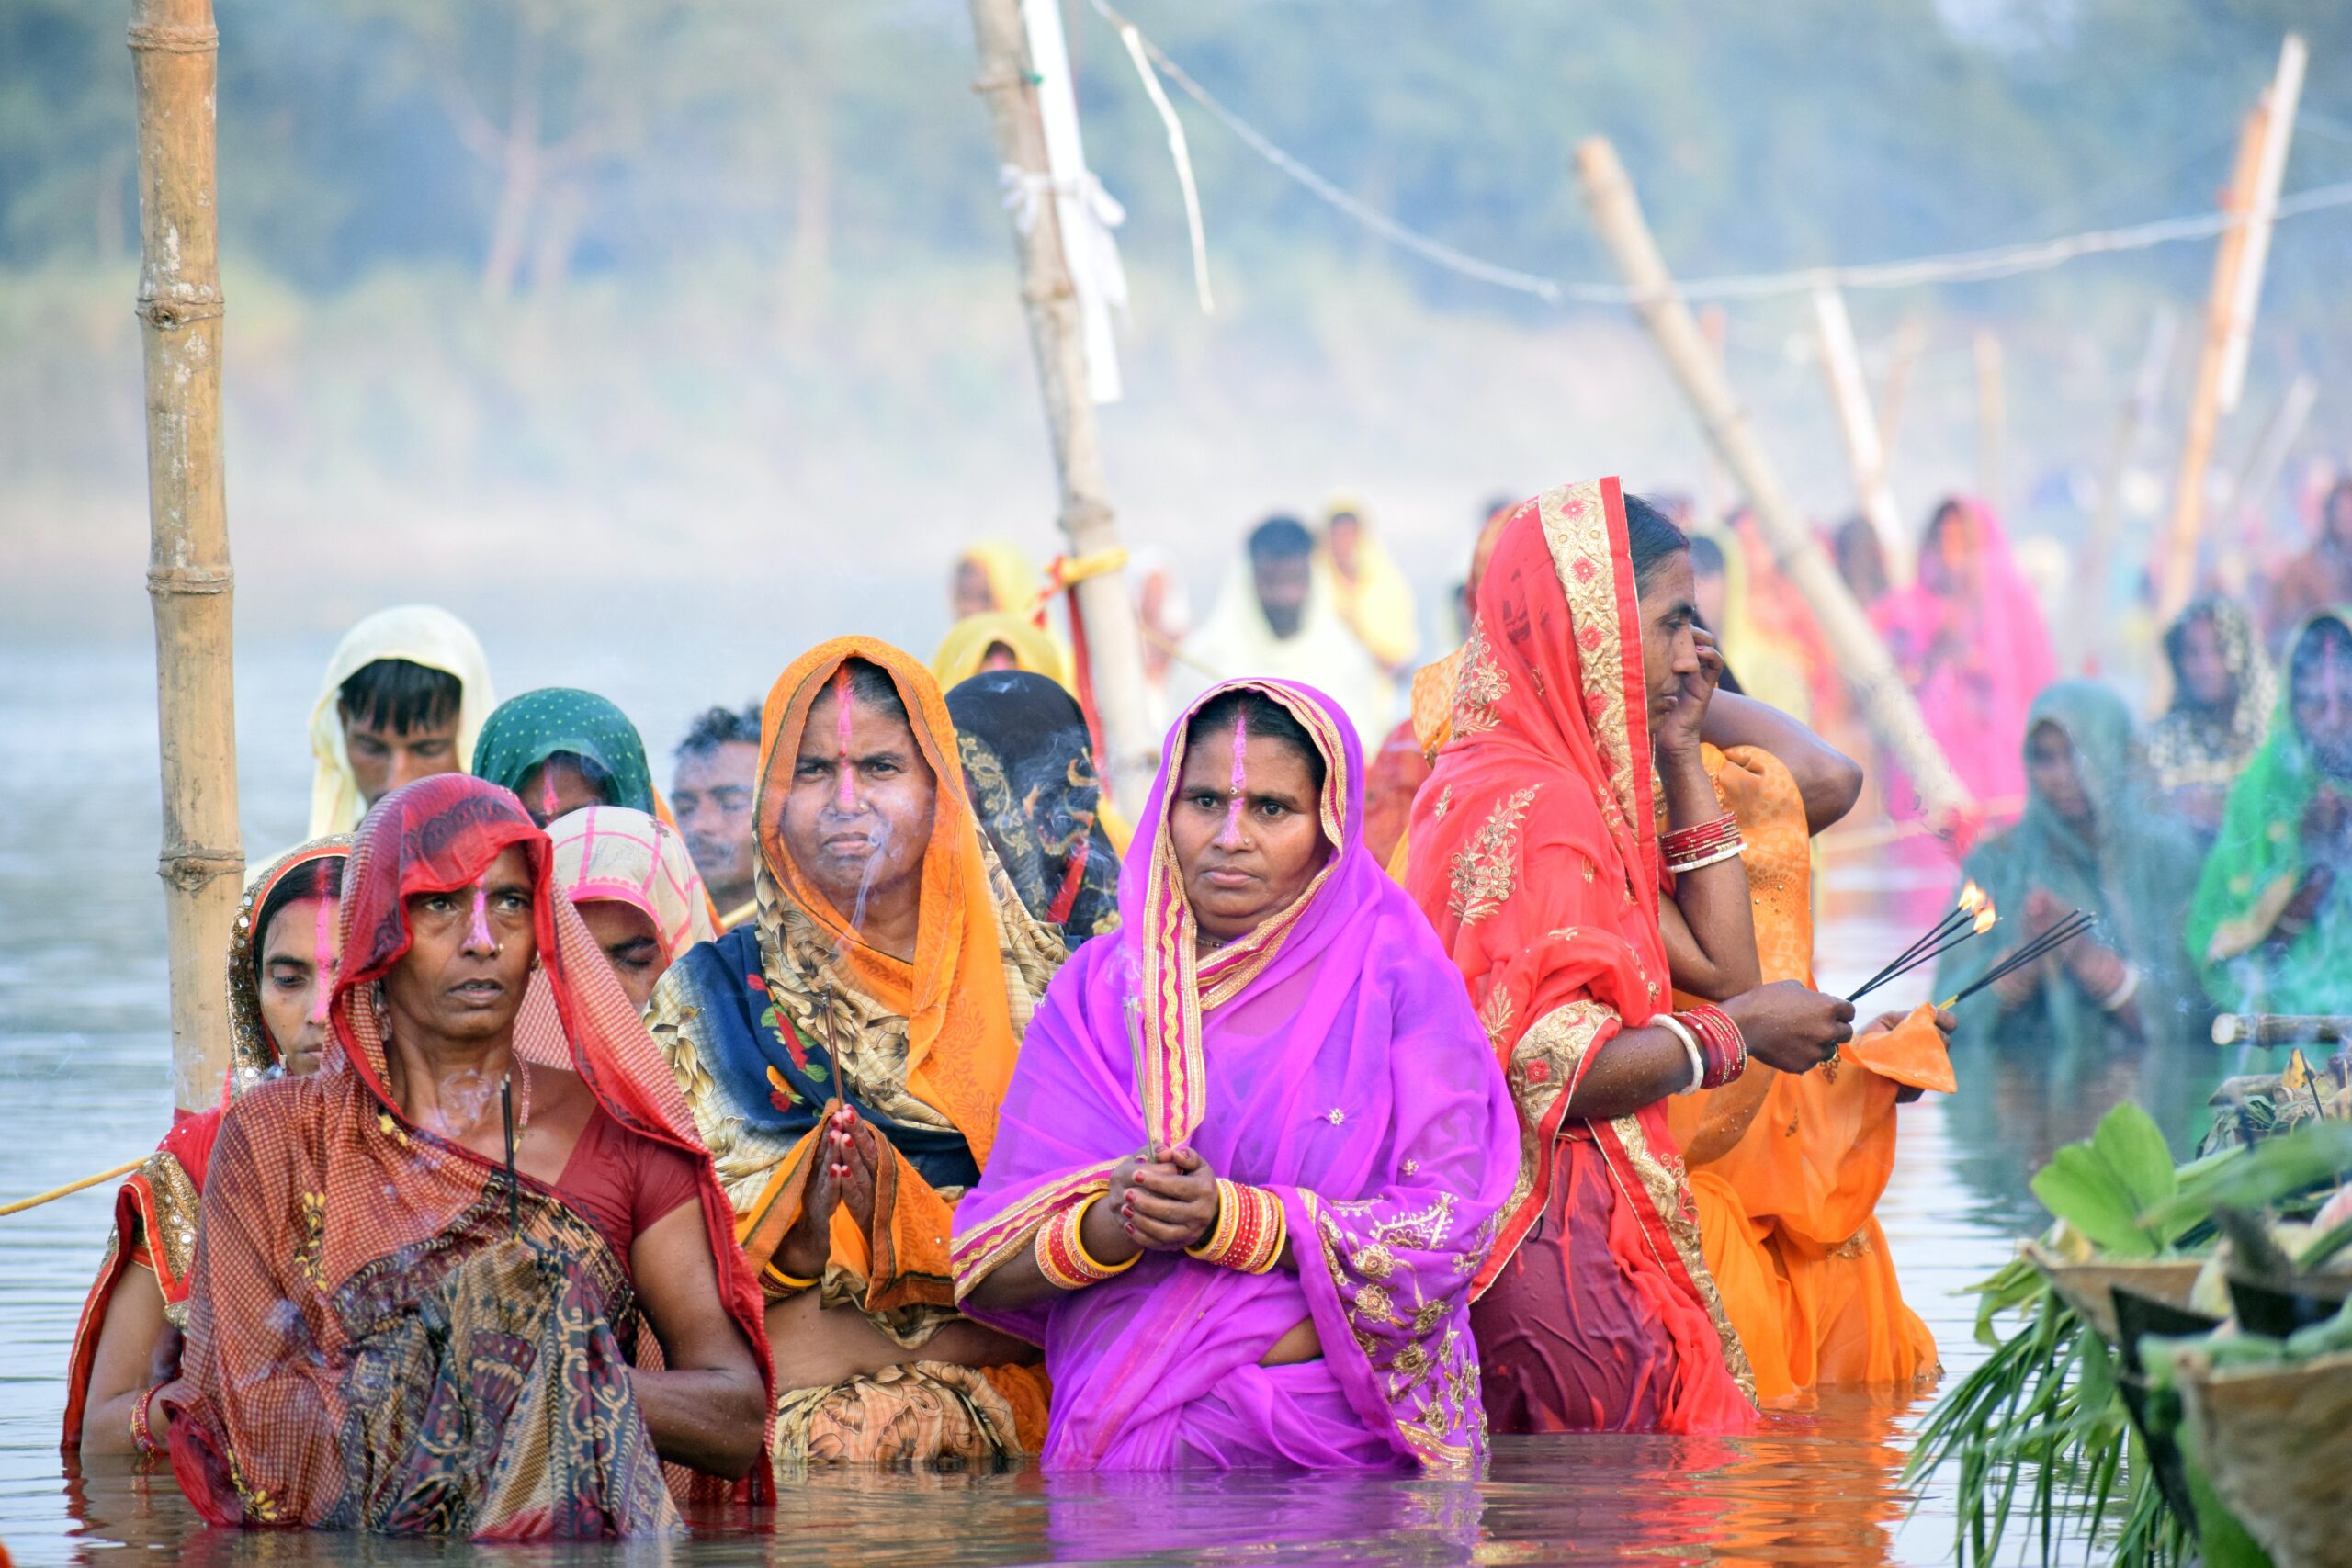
[1970,639]
[1331,1055]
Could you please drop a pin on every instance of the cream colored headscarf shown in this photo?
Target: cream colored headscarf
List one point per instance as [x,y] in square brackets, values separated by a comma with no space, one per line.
[421,634]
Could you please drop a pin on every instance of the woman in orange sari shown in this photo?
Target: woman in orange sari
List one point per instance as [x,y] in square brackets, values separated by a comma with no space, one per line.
[1787,1170]
[844,1055]
[1535,853]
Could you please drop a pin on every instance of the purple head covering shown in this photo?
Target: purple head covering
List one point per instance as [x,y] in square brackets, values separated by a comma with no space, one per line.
[1332,1056]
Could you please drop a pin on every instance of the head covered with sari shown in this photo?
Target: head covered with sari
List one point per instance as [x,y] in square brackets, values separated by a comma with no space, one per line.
[422,634]
[1535,855]
[527,730]
[1010,573]
[1330,1055]
[1029,766]
[964,651]
[159,1202]
[329,1217]
[2262,859]
[613,854]
[2195,744]
[777,1021]
[1969,636]
[2135,872]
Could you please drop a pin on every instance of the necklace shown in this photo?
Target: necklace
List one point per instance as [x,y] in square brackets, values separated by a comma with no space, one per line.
[519,1068]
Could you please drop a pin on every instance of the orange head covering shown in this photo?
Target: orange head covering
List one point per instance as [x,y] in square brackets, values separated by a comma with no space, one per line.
[961,1044]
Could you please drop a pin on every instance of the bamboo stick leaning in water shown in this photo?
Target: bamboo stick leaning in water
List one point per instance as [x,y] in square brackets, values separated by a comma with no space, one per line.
[174,45]
[1859,423]
[1007,84]
[54,1193]
[1885,702]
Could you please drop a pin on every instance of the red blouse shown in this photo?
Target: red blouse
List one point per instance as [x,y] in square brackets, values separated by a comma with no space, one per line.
[623,1182]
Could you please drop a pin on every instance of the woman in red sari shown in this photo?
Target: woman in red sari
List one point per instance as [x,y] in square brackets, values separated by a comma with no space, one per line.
[1535,853]
[281,963]
[475,1275]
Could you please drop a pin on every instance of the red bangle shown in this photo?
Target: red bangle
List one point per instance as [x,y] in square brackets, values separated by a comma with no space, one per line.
[1250,1231]
[1061,1252]
[1720,1042]
[1701,843]
[141,1432]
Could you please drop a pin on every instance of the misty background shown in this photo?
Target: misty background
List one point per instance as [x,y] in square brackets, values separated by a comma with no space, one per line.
[687,335]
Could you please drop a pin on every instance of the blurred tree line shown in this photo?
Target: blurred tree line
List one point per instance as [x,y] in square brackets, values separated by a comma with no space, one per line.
[527,140]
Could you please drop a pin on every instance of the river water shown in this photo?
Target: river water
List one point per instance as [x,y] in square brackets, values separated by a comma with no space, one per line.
[84,1085]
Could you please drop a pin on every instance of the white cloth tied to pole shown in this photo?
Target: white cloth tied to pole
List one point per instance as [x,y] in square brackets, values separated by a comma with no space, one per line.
[1086,212]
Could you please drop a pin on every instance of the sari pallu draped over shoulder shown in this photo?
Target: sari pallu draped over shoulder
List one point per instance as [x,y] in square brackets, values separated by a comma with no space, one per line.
[1329,1057]
[1535,854]
[386,1332]
[775,1022]
[158,1203]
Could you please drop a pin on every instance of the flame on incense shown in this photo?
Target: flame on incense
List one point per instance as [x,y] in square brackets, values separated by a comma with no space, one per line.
[1971,898]
[1986,918]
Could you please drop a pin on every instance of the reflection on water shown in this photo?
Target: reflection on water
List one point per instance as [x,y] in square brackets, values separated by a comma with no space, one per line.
[83,1085]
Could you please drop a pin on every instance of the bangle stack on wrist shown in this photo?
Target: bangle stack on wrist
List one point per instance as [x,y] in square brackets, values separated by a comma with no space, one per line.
[1062,1256]
[1720,1042]
[1250,1231]
[1690,1039]
[1701,844]
[142,1430]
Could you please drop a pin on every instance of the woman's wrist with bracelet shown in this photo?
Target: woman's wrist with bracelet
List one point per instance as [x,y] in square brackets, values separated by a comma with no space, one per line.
[1248,1232]
[1061,1253]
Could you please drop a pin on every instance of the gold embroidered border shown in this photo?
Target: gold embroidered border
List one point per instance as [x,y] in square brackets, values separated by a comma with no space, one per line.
[1478,686]
[1668,1195]
[1413,1368]
[1584,556]
[1545,1064]
[1486,867]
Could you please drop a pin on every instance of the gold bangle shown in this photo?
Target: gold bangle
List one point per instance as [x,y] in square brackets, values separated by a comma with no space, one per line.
[789,1281]
[1060,1250]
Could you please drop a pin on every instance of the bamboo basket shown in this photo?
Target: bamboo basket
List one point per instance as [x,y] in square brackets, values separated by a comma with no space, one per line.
[2087,1287]
[2277,1443]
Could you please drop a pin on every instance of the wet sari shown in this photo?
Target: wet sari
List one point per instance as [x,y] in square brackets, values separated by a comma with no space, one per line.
[775,1024]
[1787,1169]
[1029,770]
[1330,1056]
[2253,873]
[1535,853]
[155,1208]
[527,730]
[2137,878]
[388,1331]
[419,634]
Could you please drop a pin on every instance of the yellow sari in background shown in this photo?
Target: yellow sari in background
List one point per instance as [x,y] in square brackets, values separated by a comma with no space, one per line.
[1787,1171]
[964,649]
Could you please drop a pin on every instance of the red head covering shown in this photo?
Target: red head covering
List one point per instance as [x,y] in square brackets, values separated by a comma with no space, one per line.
[320,1180]
[1535,853]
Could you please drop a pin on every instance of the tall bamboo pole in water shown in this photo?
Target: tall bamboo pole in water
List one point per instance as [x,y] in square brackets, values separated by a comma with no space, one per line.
[1007,83]
[1863,659]
[174,46]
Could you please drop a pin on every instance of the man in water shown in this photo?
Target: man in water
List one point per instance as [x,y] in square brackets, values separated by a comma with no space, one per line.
[404,696]
[712,795]
[1277,620]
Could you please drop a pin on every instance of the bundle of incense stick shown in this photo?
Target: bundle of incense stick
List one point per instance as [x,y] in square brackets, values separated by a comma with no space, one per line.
[2049,941]
[1973,914]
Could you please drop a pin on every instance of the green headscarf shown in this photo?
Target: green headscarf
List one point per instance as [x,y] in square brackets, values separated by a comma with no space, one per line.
[527,730]
[2137,879]
[2256,864]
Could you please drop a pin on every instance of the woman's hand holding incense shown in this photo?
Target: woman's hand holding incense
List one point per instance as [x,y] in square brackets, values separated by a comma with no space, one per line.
[1167,1205]
[846,1154]
[1791,1026]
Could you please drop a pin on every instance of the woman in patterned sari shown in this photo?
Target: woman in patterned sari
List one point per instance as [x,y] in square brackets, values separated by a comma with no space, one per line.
[844,1056]
[1255,1147]
[475,1275]
[282,968]
[1029,768]
[1535,852]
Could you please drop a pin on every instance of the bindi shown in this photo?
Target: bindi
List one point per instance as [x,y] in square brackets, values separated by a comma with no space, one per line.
[479,936]
[841,800]
[322,960]
[1239,788]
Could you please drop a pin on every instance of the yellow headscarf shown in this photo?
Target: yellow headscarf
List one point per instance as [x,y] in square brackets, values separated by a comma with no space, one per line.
[965,646]
[1378,604]
[1013,576]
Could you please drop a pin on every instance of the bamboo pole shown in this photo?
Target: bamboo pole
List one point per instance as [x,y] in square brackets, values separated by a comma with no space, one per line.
[1910,339]
[1878,687]
[1057,336]
[2257,476]
[174,45]
[1859,422]
[1992,414]
[2229,317]
[2087,604]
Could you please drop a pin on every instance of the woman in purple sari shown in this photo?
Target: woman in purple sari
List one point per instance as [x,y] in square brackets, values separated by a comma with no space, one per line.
[1254,1150]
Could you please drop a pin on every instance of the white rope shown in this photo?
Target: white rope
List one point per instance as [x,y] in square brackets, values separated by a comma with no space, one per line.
[1182,153]
[1957,266]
